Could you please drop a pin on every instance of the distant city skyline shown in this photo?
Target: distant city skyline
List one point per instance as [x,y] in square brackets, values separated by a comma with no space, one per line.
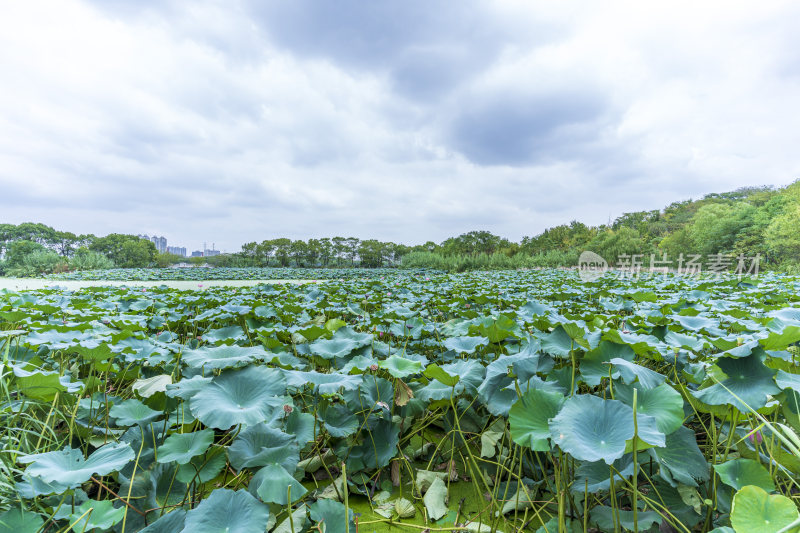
[162,246]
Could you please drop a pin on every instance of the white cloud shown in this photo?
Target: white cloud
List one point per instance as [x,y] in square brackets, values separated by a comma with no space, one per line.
[236,121]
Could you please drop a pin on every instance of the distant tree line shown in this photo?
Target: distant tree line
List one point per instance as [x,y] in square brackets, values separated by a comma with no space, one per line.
[747,222]
[31,249]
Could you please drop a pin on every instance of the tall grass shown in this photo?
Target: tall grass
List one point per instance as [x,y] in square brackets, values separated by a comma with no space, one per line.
[496,261]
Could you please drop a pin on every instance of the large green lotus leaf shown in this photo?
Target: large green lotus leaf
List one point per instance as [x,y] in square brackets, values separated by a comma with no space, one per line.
[741,472]
[332,348]
[218,357]
[680,340]
[595,365]
[323,383]
[300,426]
[695,323]
[470,373]
[640,344]
[335,323]
[595,476]
[375,450]
[739,350]
[400,367]
[31,486]
[227,511]
[168,523]
[436,390]
[532,309]
[186,388]
[155,488]
[780,341]
[496,330]
[375,393]
[361,339]
[226,334]
[68,466]
[590,428]
[663,403]
[755,510]
[530,416]
[339,420]
[681,459]
[92,515]
[559,343]
[301,334]
[132,412]
[149,386]
[789,315]
[497,392]
[435,500]
[261,445]
[236,309]
[788,381]
[491,437]
[202,468]
[16,521]
[466,345]
[272,484]
[648,433]
[631,372]
[93,350]
[602,515]
[436,372]
[748,382]
[246,396]
[331,515]
[265,311]
[181,447]
[43,384]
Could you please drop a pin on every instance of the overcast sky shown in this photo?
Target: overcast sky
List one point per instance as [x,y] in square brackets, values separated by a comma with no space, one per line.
[407,120]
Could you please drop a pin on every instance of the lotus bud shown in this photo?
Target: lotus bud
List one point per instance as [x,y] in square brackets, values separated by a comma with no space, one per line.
[287,409]
[404,508]
[755,437]
[739,341]
[374,368]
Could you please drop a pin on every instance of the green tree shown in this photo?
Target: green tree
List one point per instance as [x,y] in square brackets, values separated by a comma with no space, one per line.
[126,251]
[19,250]
[716,227]
[782,238]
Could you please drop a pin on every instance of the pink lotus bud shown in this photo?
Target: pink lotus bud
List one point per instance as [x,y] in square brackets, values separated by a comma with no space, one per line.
[374,368]
[755,437]
[287,409]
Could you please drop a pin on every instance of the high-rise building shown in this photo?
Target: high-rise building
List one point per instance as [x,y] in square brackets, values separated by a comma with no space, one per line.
[160,242]
[177,250]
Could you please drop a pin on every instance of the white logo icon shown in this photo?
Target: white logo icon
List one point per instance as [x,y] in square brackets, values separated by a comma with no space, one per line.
[591,266]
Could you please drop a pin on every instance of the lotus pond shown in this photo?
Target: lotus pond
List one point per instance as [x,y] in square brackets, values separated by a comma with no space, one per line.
[233,273]
[503,401]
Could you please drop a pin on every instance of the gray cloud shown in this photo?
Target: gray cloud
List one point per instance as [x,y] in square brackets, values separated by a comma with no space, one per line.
[412,121]
[520,130]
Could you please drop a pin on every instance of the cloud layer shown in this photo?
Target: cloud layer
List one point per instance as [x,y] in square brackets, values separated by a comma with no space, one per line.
[231,121]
